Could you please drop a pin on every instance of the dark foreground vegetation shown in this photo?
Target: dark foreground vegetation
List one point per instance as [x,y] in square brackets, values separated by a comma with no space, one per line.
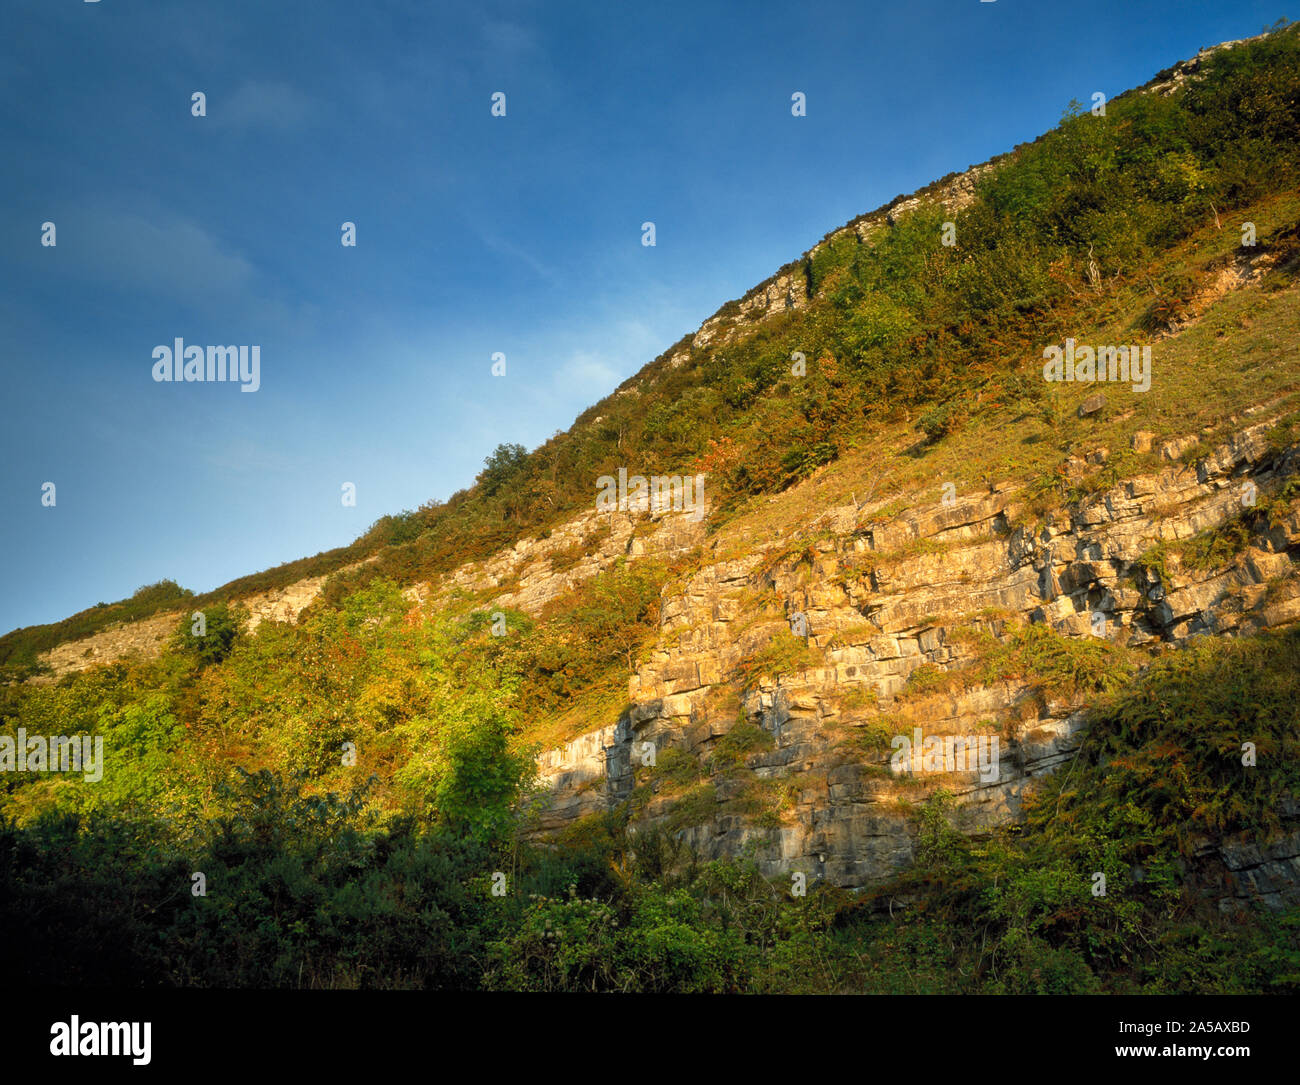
[389,882]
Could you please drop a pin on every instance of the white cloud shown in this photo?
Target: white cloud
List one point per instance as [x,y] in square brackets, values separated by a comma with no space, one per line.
[246,455]
[497,244]
[597,372]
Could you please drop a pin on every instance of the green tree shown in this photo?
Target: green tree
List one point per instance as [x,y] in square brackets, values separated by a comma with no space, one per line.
[220,627]
[501,468]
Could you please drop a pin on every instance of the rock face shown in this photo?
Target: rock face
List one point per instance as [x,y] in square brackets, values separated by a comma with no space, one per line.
[143,638]
[812,647]
[586,776]
[146,638]
[533,572]
[284,604]
[525,577]
[878,599]
[1251,872]
[1171,79]
[865,601]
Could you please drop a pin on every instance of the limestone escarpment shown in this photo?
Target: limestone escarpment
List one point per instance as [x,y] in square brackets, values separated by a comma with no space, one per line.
[525,576]
[881,596]
[143,638]
[147,638]
[534,572]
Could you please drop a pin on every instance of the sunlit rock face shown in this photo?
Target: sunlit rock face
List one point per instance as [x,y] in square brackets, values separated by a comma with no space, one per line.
[879,598]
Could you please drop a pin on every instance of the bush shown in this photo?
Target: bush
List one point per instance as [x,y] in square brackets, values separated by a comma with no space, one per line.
[221,626]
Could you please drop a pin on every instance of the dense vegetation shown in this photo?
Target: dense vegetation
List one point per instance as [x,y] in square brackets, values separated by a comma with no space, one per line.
[350,786]
[387,880]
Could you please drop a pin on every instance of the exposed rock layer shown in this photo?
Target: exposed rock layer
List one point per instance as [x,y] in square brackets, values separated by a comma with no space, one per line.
[879,599]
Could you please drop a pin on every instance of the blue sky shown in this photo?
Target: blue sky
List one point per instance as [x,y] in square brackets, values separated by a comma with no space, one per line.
[475,234]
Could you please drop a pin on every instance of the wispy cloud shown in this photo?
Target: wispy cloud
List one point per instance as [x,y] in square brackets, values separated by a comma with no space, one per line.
[595,372]
[246,455]
[506,248]
[261,104]
[165,254]
[504,41]
[590,372]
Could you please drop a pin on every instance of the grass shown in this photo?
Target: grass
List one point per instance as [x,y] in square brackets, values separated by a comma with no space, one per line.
[1009,439]
[1217,547]
[697,806]
[597,707]
[873,737]
[565,558]
[674,771]
[1053,664]
[742,741]
[866,562]
[858,697]
[781,654]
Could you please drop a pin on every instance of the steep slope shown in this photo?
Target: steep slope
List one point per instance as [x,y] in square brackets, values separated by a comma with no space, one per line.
[908,526]
[524,741]
[671,406]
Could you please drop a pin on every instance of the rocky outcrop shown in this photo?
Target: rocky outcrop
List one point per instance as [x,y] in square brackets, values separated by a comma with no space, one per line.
[284,604]
[874,600]
[143,638]
[1173,79]
[526,576]
[146,638]
[1241,872]
[533,572]
[589,775]
[788,289]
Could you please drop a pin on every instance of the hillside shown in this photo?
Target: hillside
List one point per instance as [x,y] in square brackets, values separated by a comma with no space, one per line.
[698,405]
[908,536]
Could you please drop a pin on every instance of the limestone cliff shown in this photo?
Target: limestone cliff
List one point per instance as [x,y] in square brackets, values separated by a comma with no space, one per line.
[876,608]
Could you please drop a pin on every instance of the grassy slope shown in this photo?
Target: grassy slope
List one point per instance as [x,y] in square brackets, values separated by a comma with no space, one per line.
[1239,354]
